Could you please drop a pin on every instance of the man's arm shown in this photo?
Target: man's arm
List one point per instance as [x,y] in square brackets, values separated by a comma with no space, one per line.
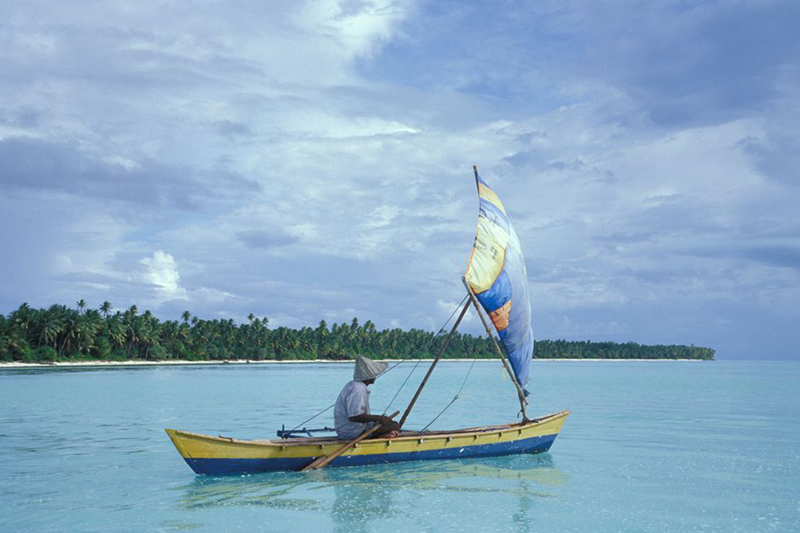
[362,419]
[388,426]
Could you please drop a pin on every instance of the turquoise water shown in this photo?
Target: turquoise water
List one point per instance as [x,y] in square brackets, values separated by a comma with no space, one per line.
[650,446]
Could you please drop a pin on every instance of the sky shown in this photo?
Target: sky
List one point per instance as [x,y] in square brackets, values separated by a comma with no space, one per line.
[313,160]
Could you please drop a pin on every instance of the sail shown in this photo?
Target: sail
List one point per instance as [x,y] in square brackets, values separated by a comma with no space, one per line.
[496,273]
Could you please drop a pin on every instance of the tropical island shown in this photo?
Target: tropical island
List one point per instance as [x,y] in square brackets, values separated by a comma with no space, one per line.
[61,334]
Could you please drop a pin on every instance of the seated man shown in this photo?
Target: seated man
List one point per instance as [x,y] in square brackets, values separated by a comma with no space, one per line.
[351,413]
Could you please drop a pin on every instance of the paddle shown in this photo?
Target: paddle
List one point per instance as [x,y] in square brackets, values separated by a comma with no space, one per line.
[322,462]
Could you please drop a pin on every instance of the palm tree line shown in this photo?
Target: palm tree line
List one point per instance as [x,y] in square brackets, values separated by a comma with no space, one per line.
[61,333]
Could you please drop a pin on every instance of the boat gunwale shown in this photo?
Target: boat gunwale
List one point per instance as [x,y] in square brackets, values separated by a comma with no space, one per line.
[444,434]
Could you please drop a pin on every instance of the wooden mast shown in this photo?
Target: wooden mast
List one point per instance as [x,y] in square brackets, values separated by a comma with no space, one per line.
[433,365]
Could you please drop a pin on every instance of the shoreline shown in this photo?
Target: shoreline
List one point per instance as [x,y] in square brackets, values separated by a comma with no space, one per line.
[73,364]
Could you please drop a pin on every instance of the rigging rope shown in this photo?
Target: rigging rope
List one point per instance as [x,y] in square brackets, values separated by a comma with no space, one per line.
[458,394]
[438,333]
[401,386]
[312,418]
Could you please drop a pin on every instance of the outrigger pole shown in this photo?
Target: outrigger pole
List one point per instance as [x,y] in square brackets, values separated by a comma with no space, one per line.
[433,365]
[474,300]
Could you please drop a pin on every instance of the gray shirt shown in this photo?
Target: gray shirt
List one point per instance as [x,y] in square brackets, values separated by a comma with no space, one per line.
[352,401]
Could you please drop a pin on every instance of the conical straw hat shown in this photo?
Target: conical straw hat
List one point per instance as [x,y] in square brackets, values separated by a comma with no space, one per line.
[368,369]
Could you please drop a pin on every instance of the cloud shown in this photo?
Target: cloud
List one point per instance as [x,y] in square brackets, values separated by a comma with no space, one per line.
[23,118]
[266,239]
[60,166]
[313,160]
[162,273]
[776,255]
[228,128]
[681,65]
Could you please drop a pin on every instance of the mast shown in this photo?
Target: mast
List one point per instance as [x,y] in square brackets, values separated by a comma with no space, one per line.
[433,365]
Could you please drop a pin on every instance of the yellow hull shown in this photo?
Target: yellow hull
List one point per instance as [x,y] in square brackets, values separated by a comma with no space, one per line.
[224,455]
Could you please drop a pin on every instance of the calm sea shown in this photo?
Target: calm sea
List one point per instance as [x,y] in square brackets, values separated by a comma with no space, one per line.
[650,446]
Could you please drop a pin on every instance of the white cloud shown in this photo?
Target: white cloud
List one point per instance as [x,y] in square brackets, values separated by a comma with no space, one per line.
[162,273]
[300,167]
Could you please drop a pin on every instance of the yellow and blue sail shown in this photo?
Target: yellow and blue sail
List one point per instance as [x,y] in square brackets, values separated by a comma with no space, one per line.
[496,273]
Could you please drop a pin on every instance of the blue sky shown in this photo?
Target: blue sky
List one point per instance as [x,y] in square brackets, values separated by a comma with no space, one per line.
[307,161]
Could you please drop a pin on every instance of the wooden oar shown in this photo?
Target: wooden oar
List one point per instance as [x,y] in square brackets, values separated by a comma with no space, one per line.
[322,462]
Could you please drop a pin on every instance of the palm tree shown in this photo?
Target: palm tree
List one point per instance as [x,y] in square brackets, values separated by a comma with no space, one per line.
[183,332]
[22,317]
[322,336]
[81,305]
[145,337]
[105,309]
[85,332]
[186,315]
[70,332]
[116,331]
[50,327]
[131,336]
[13,342]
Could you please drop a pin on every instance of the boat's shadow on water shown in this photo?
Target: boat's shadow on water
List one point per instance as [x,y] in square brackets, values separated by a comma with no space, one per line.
[359,494]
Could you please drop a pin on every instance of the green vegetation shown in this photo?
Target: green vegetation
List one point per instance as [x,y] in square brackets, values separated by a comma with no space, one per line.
[60,333]
[612,350]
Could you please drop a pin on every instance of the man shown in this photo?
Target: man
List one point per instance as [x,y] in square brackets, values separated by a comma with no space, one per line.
[351,413]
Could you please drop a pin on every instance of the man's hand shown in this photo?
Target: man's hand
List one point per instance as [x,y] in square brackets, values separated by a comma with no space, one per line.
[389,427]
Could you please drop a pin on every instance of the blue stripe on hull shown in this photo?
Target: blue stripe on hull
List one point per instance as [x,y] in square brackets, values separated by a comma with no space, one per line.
[218,467]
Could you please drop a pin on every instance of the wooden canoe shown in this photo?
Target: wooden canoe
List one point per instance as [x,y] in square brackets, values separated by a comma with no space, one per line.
[225,455]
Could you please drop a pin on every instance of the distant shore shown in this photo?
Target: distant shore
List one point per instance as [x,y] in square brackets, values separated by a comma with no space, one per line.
[67,364]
